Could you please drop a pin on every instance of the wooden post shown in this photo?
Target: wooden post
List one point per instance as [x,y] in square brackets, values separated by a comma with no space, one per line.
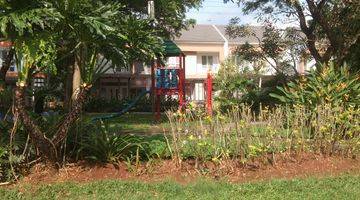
[158,110]
[153,89]
[209,83]
[181,82]
[184,77]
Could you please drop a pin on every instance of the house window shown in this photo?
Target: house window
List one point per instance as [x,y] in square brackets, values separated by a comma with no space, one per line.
[124,93]
[39,82]
[237,60]
[103,93]
[139,67]
[199,92]
[207,62]
[117,94]
[173,62]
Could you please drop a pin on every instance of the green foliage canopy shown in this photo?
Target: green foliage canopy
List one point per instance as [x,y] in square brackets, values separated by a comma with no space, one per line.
[281,50]
[331,27]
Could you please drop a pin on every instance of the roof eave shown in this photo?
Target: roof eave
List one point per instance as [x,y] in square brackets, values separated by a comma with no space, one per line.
[198,42]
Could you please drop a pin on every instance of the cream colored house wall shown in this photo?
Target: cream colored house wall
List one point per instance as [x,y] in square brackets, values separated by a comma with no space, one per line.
[195,72]
[198,47]
[194,53]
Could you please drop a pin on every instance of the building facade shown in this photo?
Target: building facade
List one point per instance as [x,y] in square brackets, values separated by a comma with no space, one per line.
[205,47]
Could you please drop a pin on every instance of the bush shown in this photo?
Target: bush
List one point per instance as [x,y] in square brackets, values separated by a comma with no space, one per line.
[233,83]
[100,142]
[100,145]
[328,85]
[156,147]
[238,84]
[14,155]
[94,104]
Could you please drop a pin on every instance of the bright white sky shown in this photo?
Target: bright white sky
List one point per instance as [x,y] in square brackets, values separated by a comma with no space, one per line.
[217,12]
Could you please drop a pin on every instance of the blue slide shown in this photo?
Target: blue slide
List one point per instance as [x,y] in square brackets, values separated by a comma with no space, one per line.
[125,110]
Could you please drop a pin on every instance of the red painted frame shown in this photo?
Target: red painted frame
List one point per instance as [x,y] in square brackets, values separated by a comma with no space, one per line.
[179,90]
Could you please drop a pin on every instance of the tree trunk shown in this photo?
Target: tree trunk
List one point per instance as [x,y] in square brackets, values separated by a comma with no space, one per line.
[76,81]
[39,139]
[48,148]
[72,116]
[5,68]
[68,87]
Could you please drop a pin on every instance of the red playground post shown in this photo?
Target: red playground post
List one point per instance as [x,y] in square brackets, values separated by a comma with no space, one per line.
[209,88]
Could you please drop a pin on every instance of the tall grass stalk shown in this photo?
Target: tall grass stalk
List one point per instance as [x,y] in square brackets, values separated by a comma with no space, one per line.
[243,135]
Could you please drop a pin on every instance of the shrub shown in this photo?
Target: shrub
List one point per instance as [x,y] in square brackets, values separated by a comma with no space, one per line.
[100,145]
[240,84]
[233,82]
[15,154]
[156,147]
[328,85]
[94,104]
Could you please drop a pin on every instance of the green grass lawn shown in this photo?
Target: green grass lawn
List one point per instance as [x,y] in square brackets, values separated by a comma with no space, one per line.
[136,123]
[343,187]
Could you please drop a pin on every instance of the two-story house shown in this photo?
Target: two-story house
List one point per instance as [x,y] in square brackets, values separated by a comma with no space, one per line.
[205,47]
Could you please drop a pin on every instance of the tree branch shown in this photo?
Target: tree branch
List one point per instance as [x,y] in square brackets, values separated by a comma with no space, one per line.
[72,116]
[317,14]
[37,136]
[309,32]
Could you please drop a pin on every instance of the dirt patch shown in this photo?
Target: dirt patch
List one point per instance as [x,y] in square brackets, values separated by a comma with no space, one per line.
[234,171]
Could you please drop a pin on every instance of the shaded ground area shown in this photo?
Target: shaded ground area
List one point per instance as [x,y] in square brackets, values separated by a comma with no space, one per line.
[343,187]
[233,171]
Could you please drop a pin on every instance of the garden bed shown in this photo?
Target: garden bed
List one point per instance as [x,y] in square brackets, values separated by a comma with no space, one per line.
[306,165]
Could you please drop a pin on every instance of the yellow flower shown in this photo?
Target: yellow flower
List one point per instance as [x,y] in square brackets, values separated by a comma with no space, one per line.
[206,132]
[191,137]
[242,124]
[323,129]
[313,123]
[208,118]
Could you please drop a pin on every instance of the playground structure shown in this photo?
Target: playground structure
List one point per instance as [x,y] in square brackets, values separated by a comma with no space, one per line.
[168,78]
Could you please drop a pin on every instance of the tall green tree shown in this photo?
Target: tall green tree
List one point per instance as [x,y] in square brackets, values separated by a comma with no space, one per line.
[86,35]
[331,27]
[281,50]
[170,16]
